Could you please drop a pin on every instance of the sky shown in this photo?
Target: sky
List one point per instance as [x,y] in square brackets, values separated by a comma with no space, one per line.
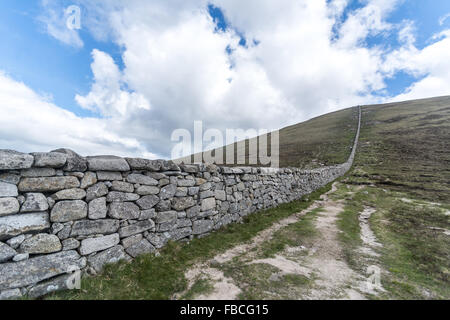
[137,70]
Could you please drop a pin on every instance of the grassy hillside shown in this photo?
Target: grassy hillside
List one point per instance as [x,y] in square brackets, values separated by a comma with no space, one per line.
[402,170]
[406,146]
[325,140]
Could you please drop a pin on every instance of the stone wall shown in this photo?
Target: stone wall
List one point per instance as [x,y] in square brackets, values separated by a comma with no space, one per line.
[61,212]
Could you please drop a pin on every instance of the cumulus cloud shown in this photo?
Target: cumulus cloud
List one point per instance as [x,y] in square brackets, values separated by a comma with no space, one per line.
[443,19]
[430,65]
[30,122]
[300,59]
[107,96]
[55,19]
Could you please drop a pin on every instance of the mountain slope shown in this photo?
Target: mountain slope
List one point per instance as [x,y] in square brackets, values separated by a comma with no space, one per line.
[407,146]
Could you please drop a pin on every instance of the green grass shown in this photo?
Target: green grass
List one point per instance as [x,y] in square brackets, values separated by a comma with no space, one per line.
[294,235]
[256,282]
[324,140]
[201,286]
[415,257]
[159,277]
[405,147]
[404,152]
[350,238]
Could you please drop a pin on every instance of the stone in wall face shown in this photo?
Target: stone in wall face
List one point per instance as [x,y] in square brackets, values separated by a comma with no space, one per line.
[124,211]
[142,179]
[9,206]
[168,165]
[193,212]
[89,179]
[189,168]
[168,192]
[147,214]
[181,192]
[11,226]
[13,160]
[111,255]
[48,184]
[121,186]
[34,270]
[49,159]
[65,211]
[147,202]
[180,233]
[181,204]
[74,163]
[128,242]
[136,228]
[97,209]
[220,195]
[92,245]
[202,226]
[16,241]
[69,194]
[96,191]
[34,202]
[164,182]
[107,163]
[167,216]
[41,244]
[115,196]
[9,177]
[206,194]
[109,176]
[163,205]
[192,191]
[52,285]
[70,244]
[208,204]
[205,186]
[147,190]
[8,190]
[143,164]
[38,172]
[142,247]
[6,252]
[158,239]
[93,227]
[156,175]
[186,182]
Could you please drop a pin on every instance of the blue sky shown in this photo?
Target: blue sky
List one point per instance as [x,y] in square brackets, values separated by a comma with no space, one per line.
[45,64]
[58,71]
[48,66]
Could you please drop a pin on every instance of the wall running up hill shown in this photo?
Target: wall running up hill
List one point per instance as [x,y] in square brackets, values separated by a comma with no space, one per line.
[60,212]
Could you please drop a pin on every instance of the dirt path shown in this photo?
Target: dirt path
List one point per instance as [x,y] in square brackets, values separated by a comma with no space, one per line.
[324,262]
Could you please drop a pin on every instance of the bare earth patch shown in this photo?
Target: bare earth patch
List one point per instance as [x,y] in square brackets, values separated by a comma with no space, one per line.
[331,277]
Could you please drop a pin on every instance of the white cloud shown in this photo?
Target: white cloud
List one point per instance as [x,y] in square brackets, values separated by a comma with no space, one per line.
[107,96]
[55,19]
[443,19]
[308,59]
[430,64]
[366,21]
[29,123]
[176,60]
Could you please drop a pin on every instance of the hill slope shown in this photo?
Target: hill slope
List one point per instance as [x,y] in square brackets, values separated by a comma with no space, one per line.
[407,146]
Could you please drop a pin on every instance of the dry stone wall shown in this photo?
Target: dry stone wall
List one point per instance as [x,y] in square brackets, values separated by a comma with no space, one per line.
[61,212]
